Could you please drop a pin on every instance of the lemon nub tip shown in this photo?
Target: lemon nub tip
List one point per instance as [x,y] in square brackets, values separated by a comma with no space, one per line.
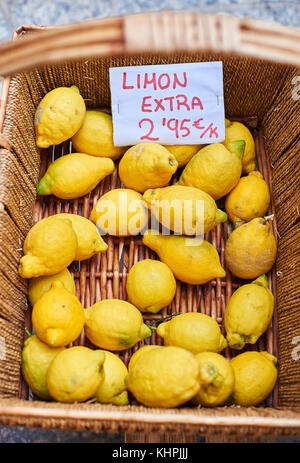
[221,273]
[121,399]
[221,216]
[236,342]
[21,270]
[75,88]
[101,246]
[262,280]
[161,329]
[269,357]
[223,343]
[42,143]
[238,147]
[207,372]
[43,187]
[52,335]
[146,331]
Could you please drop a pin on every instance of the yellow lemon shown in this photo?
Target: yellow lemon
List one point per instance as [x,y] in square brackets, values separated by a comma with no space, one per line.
[255,377]
[74,175]
[58,316]
[36,358]
[235,131]
[193,331]
[214,169]
[58,116]
[49,247]
[39,286]
[186,210]
[140,352]
[75,374]
[147,165]
[192,260]
[183,153]
[112,389]
[120,212]
[216,379]
[248,313]
[115,325]
[250,250]
[150,285]
[95,136]
[90,242]
[164,377]
[249,199]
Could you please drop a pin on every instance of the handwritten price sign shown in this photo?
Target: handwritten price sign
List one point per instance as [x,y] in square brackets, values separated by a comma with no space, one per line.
[171,104]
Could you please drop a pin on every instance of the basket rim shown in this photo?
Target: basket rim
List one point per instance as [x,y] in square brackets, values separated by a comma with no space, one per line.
[164,31]
[251,417]
[159,32]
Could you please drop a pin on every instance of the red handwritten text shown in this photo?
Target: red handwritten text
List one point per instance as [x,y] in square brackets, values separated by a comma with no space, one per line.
[155,81]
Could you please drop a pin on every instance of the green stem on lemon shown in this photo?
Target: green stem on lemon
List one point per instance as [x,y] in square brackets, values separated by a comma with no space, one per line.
[262,280]
[161,319]
[28,332]
[237,147]
[44,185]
[221,216]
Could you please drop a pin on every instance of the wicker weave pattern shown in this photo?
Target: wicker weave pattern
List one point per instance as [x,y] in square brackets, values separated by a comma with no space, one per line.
[104,276]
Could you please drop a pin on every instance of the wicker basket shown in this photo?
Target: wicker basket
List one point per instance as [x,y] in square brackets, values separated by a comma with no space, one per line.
[260,62]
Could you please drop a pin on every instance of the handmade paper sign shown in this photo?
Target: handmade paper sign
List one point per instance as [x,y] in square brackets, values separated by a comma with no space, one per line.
[170,104]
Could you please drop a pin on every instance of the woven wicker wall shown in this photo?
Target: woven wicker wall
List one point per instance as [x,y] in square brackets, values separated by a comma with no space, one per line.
[281,125]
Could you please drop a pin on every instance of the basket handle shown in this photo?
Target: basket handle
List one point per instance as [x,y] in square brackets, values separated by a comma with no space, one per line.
[157,32]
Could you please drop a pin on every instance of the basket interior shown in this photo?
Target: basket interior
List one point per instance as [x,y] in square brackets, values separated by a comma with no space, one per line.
[252,89]
[104,275]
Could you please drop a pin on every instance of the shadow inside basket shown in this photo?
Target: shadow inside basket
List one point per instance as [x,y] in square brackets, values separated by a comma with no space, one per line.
[104,275]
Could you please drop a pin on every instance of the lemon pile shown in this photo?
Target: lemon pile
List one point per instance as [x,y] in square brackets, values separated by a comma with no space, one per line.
[190,366]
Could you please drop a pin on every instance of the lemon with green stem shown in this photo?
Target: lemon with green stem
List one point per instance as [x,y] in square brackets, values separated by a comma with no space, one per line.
[74,175]
[235,131]
[196,332]
[114,324]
